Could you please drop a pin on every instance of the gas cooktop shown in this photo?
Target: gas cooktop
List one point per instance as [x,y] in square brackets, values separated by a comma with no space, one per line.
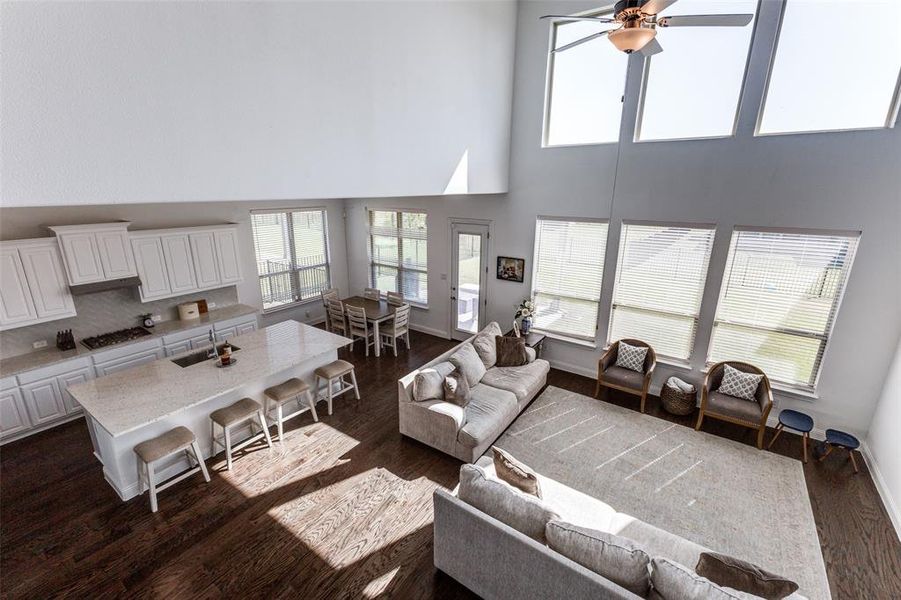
[115,337]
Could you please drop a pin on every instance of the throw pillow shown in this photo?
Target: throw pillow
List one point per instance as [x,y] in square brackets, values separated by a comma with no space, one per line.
[613,557]
[511,351]
[467,361]
[515,473]
[739,384]
[631,357]
[744,576]
[429,382]
[456,389]
[524,513]
[677,582]
[485,346]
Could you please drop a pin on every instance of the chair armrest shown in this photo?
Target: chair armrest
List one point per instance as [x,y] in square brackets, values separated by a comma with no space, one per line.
[765,398]
[607,358]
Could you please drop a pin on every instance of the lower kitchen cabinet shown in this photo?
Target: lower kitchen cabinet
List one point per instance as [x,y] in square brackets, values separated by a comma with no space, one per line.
[44,401]
[13,415]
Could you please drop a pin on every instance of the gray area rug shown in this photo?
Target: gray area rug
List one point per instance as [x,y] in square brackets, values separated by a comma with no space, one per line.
[724,495]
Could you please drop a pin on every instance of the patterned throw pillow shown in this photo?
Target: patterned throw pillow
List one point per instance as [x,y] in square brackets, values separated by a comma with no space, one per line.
[739,384]
[631,357]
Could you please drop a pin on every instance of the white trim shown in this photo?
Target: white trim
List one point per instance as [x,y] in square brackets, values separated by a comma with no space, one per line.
[50,425]
[429,330]
[891,507]
[281,307]
[571,368]
[559,337]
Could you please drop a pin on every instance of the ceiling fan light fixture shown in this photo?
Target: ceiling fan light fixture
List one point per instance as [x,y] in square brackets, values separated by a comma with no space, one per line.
[631,39]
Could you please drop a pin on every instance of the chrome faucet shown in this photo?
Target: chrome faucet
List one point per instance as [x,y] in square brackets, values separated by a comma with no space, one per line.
[212,353]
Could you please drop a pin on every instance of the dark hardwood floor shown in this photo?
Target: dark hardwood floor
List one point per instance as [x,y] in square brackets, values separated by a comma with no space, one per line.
[341,509]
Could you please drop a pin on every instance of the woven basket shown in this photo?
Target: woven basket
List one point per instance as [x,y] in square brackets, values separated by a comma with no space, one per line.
[677,402]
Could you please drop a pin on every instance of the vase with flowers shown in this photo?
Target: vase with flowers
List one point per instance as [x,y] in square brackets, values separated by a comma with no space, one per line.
[524,312]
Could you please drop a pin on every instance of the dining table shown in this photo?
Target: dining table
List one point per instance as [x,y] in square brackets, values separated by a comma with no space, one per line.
[377,311]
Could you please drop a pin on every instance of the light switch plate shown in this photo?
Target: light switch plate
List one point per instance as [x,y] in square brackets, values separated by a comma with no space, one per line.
[40,344]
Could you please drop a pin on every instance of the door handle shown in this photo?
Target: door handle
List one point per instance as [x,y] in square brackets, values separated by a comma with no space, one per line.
[453,297]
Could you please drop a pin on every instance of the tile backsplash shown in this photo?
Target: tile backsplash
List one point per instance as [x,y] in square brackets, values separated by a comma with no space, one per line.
[104,312]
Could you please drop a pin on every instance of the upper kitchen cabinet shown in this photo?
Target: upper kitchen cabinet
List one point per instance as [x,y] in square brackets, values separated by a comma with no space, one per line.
[150,261]
[98,252]
[33,286]
[206,265]
[227,253]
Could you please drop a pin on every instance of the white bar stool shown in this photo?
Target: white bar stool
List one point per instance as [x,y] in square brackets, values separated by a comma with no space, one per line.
[281,394]
[231,416]
[165,445]
[334,372]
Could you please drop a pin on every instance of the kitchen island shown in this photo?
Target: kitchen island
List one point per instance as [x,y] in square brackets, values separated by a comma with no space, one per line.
[128,407]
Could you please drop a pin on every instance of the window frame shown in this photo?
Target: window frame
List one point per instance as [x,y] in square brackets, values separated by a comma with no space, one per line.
[568,337]
[889,122]
[697,317]
[295,283]
[549,84]
[400,268]
[645,74]
[824,338]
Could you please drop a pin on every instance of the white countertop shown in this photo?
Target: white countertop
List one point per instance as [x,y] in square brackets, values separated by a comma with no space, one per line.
[128,400]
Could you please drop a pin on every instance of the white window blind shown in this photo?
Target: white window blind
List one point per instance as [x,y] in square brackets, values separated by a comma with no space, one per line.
[781,292]
[398,254]
[660,278]
[292,255]
[567,275]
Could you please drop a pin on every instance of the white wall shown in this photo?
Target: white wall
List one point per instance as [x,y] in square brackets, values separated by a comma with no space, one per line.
[135,102]
[848,181]
[884,443]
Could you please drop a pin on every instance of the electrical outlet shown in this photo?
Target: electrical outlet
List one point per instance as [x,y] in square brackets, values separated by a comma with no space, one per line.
[157,318]
[210,305]
[40,344]
[307,314]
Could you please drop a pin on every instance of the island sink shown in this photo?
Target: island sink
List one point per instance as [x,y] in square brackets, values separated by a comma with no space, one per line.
[200,356]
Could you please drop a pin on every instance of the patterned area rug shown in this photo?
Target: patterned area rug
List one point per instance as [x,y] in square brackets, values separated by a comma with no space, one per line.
[724,495]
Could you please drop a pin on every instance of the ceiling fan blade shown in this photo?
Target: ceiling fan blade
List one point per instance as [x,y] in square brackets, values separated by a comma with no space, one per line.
[574,18]
[651,48]
[654,7]
[705,21]
[593,36]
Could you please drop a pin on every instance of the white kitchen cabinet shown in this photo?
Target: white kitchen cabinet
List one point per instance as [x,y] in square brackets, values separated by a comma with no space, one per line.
[96,252]
[179,263]
[13,415]
[246,327]
[228,255]
[128,362]
[75,377]
[177,348]
[150,262]
[16,305]
[206,264]
[43,400]
[225,333]
[46,276]
[235,327]
[45,389]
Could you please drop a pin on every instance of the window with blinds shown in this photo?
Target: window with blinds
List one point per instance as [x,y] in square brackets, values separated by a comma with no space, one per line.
[567,275]
[660,278]
[398,258]
[292,255]
[781,292]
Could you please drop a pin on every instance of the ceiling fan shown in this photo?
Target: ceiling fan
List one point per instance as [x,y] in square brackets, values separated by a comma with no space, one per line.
[636,22]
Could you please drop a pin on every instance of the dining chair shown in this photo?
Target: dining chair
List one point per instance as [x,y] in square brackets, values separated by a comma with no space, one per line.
[372,294]
[398,328]
[395,298]
[336,317]
[329,294]
[359,328]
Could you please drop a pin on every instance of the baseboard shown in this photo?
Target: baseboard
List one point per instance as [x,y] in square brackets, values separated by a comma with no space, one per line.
[890,506]
[430,330]
[571,368]
[316,321]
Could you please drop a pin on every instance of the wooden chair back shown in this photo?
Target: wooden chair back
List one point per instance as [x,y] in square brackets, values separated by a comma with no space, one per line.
[372,294]
[401,318]
[356,320]
[329,294]
[395,298]
[336,313]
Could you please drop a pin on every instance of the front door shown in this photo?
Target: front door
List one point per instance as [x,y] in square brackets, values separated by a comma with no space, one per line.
[469,276]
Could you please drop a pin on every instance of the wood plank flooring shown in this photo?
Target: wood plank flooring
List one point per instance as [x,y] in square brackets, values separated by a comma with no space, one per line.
[341,509]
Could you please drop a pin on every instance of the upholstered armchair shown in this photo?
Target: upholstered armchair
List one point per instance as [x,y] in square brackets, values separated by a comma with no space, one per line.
[622,379]
[736,410]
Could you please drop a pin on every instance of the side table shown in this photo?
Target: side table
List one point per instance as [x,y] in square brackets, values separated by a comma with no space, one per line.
[533,339]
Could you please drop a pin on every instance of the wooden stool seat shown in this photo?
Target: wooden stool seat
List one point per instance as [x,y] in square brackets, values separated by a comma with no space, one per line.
[333,373]
[229,417]
[334,369]
[238,412]
[287,391]
[179,439]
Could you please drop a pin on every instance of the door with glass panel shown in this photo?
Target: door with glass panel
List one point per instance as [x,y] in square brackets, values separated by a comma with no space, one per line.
[469,276]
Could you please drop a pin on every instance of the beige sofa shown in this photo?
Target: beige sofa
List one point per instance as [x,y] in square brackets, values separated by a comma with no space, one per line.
[497,399]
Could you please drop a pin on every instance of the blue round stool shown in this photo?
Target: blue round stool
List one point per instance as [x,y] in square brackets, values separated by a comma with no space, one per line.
[840,439]
[796,421]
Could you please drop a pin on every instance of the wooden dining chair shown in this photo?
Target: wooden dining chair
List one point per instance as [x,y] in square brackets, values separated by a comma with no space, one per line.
[337,317]
[398,328]
[358,327]
[329,294]
[372,294]
[395,298]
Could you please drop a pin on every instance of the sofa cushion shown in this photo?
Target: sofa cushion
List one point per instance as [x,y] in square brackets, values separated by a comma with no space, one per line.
[524,381]
[631,357]
[488,413]
[522,512]
[656,541]
[456,390]
[741,575]
[624,377]
[739,384]
[515,473]
[429,382]
[511,351]
[467,361]
[730,406]
[485,346]
[677,582]
[616,558]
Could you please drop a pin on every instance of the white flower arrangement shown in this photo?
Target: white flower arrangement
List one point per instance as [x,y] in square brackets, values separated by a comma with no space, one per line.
[525,309]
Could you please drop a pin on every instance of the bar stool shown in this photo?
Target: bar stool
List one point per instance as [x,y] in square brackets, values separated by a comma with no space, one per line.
[839,439]
[229,417]
[334,372]
[162,446]
[796,421]
[281,394]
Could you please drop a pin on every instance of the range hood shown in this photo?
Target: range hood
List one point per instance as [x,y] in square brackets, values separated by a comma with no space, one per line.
[102,286]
